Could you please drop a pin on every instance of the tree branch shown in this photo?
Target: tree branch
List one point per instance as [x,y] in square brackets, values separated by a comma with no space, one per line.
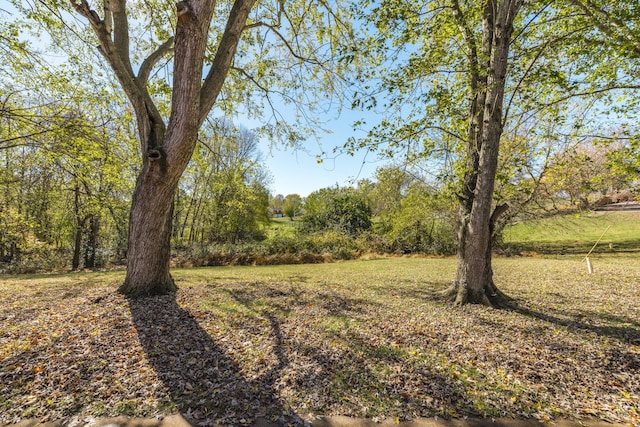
[259,86]
[118,10]
[524,76]
[286,43]
[150,123]
[589,93]
[499,210]
[4,142]
[152,60]
[252,79]
[467,34]
[224,56]
[111,53]
[590,9]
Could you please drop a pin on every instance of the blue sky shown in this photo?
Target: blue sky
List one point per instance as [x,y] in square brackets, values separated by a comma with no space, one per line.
[298,171]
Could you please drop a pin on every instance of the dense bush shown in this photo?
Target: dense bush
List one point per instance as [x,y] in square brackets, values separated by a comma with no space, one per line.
[422,222]
[343,210]
[40,258]
[337,224]
[297,247]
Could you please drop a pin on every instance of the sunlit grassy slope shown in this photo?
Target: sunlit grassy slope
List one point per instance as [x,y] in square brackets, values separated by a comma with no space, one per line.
[577,233]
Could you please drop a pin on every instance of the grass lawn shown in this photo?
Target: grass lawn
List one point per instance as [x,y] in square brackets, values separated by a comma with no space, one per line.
[577,233]
[360,338]
[282,225]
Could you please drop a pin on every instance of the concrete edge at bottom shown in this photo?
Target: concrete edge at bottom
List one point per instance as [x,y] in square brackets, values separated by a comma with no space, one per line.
[178,420]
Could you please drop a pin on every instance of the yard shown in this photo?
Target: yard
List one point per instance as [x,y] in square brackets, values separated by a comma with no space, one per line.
[369,338]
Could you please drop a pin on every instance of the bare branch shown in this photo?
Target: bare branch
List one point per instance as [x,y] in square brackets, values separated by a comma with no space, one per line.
[152,60]
[286,43]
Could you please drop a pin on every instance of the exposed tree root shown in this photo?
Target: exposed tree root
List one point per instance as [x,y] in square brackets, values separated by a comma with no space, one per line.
[490,296]
[141,290]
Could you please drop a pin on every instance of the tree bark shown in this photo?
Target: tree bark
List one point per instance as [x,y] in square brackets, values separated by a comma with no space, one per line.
[149,244]
[91,248]
[80,224]
[165,158]
[77,244]
[474,275]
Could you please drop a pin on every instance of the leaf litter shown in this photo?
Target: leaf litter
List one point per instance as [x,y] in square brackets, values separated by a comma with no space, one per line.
[347,340]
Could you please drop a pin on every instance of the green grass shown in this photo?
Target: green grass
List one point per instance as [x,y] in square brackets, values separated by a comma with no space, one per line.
[577,233]
[282,226]
[369,338]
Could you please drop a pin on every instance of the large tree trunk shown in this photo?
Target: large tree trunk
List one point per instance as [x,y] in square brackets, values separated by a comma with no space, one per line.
[149,249]
[474,275]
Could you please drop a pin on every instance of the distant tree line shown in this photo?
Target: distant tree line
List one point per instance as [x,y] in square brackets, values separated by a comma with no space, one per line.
[65,198]
[518,129]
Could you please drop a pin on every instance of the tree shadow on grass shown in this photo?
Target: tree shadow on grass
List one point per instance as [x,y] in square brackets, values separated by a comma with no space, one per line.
[344,370]
[418,290]
[629,333]
[610,325]
[202,380]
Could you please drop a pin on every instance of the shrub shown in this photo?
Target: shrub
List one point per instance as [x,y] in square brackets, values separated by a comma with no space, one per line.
[280,248]
[38,259]
[421,223]
[338,209]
